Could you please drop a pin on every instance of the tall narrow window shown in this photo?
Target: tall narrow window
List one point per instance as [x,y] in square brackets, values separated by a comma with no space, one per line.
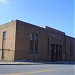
[4,35]
[3,44]
[31,43]
[36,43]
[31,36]
[71,48]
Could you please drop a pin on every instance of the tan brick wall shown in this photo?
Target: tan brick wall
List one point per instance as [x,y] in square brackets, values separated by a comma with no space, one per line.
[10,29]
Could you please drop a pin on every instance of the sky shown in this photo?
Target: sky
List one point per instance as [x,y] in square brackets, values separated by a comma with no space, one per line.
[58,14]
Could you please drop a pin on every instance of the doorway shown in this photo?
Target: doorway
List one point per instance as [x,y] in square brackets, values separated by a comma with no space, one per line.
[56,52]
[52,52]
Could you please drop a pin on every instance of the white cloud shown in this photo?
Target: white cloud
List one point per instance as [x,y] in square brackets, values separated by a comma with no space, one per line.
[4,1]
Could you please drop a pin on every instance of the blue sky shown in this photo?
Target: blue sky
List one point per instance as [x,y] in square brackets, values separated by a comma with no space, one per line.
[58,14]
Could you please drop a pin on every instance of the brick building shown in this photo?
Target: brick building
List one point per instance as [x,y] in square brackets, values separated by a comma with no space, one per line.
[23,41]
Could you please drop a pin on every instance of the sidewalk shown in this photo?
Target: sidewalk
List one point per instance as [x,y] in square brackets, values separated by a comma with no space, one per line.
[33,63]
[18,63]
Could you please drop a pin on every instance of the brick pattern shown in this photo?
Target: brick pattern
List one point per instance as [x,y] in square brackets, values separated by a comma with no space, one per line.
[18,42]
[70,57]
[10,29]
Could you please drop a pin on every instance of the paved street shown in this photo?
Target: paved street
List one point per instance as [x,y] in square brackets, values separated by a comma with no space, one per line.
[37,69]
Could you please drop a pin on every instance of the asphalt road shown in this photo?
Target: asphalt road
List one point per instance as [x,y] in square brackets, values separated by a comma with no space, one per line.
[38,69]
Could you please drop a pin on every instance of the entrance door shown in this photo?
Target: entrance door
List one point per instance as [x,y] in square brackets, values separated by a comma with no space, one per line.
[60,52]
[52,52]
[56,52]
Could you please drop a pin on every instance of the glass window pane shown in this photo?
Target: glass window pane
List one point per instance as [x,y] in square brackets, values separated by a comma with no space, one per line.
[4,35]
[31,36]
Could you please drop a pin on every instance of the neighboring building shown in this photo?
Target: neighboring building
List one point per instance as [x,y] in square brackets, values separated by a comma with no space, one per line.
[23,41]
